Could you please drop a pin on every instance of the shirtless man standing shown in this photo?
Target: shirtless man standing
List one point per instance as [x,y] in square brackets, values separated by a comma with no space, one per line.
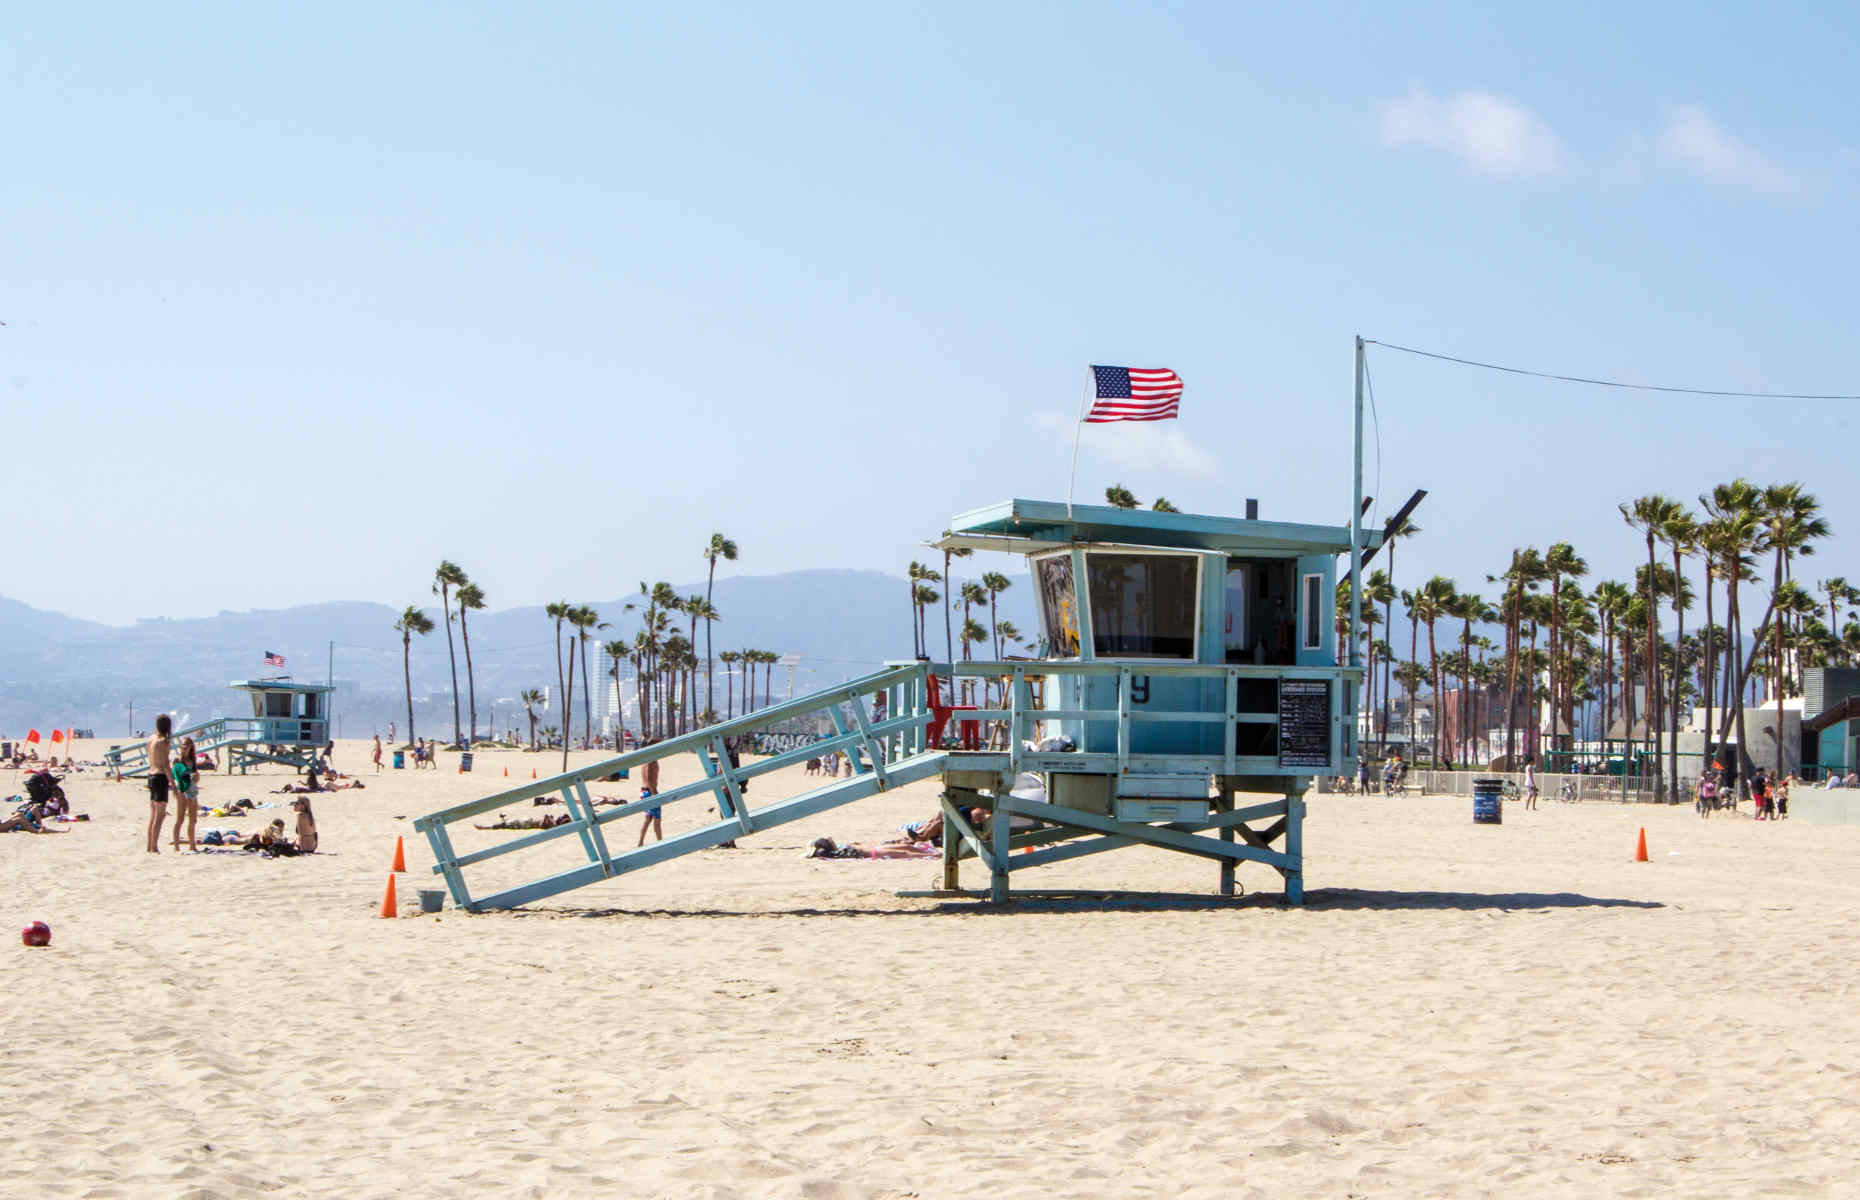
[158,780]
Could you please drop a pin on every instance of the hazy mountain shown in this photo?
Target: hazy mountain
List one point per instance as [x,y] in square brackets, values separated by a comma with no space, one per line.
[56,670]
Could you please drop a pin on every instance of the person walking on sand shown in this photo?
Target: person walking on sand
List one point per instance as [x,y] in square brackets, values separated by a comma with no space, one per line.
[377,754]
[1530,781]
[159,765]
[648,788]
[186,793]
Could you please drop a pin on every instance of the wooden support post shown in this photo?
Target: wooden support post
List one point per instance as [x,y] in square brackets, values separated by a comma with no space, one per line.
[952,846]
[1225,803]
[1000,828]
[1295,847]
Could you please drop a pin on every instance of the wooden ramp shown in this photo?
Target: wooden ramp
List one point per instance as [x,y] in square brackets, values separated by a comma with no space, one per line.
[884,753]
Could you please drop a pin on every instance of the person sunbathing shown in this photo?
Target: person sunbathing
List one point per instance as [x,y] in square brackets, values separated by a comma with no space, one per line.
[24,821]
[543,822]
[828,848]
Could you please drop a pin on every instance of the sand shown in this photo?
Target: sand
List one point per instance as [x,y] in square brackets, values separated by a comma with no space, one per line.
[1460,1010]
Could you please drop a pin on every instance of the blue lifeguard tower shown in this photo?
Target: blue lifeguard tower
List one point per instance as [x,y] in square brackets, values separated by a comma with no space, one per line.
[1188,688]
[1187,692]
[289,725]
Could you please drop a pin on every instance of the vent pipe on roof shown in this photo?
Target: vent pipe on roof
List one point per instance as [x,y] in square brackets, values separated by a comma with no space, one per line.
[1252,509]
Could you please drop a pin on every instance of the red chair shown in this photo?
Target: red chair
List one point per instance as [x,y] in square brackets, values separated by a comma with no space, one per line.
[940,714]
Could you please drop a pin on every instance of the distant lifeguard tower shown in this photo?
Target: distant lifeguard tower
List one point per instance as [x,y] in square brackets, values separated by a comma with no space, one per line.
[289,725]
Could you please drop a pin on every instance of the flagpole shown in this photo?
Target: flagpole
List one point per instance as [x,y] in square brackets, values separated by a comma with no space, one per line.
[1078,431]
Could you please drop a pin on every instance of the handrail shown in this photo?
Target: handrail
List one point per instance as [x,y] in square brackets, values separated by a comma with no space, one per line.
[699,739]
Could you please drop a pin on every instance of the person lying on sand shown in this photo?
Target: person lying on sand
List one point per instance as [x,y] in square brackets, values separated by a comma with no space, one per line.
[543,822]
[828,848]
[24,821]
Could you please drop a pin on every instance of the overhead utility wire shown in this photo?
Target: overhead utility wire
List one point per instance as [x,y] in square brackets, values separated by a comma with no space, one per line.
[1639,387]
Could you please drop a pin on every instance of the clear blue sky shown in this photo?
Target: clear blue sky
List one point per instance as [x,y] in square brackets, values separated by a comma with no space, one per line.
[299,302]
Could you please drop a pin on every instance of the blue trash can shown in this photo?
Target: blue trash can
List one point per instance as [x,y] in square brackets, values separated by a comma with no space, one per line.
[1488,802]
[465,762]
[400,760]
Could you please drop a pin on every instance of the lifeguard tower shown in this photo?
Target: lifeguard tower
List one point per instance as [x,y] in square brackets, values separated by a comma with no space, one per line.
[289,725]
[1188,688]
[1187,691]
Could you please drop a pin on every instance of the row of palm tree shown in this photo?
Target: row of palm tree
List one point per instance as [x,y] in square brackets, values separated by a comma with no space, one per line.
[1604,646]
[458,595]
[662,656]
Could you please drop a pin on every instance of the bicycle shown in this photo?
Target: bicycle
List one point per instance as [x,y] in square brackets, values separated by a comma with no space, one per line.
[1510,790]
[1567,794]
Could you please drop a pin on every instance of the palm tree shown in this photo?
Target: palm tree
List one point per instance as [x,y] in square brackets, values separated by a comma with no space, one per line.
[1681,534]
[1396,534]
[769,659]
[1735,509]
[1432,601]
[729,659]
[558,612]
[1118,496]
[1651,514]
[445,578]
[617,651]
[916,574]
[949,637]
[1561,561]
[1465,607]
[1163,505]
[700,609]
[1611,601]
[1007,634]
[718,547]
[1379,589]
[972,633]
[925,597]
[994,583]
[471,598]
[1791,523]
[531,697]
[411,621]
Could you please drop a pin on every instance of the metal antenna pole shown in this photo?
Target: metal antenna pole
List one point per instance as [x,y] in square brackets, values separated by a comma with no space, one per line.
[1356,522]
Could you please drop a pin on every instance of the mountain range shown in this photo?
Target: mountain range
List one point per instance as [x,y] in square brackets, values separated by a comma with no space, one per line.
[57,670]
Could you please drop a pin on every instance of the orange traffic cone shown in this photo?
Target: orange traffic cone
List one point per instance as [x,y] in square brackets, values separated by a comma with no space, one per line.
[506,772]
[1640,851]
[388,907]
[400,855]
[532,772]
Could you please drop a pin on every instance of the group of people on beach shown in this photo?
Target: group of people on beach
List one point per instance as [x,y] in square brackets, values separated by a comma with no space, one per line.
[1771,796]
[174,772]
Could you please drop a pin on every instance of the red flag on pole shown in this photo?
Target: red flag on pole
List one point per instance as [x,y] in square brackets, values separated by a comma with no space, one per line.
[58,735]
[32,735]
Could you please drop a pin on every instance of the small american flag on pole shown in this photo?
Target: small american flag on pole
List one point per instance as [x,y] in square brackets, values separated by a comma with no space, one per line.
[273,660]
[1134,394]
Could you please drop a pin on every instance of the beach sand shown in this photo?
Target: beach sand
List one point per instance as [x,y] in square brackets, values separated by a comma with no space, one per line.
[1460,1010]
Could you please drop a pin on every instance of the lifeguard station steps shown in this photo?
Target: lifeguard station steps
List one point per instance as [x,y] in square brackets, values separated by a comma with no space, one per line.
[885,753]
[235,735]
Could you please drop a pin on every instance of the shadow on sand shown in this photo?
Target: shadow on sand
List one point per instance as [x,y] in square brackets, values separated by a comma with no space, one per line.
[1033,902]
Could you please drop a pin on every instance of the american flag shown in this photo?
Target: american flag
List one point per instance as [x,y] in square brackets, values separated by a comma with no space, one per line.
[1134,394]
[273,660]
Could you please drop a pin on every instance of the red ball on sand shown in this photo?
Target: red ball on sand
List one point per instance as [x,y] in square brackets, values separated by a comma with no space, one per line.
[36,934]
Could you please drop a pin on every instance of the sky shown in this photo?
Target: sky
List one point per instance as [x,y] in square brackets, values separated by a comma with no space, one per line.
[298,302]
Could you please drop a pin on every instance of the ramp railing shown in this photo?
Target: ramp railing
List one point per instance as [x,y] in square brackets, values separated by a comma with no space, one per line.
[133,759]
[884,751]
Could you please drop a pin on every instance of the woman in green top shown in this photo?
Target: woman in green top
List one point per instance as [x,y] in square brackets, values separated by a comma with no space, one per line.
[187,789]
